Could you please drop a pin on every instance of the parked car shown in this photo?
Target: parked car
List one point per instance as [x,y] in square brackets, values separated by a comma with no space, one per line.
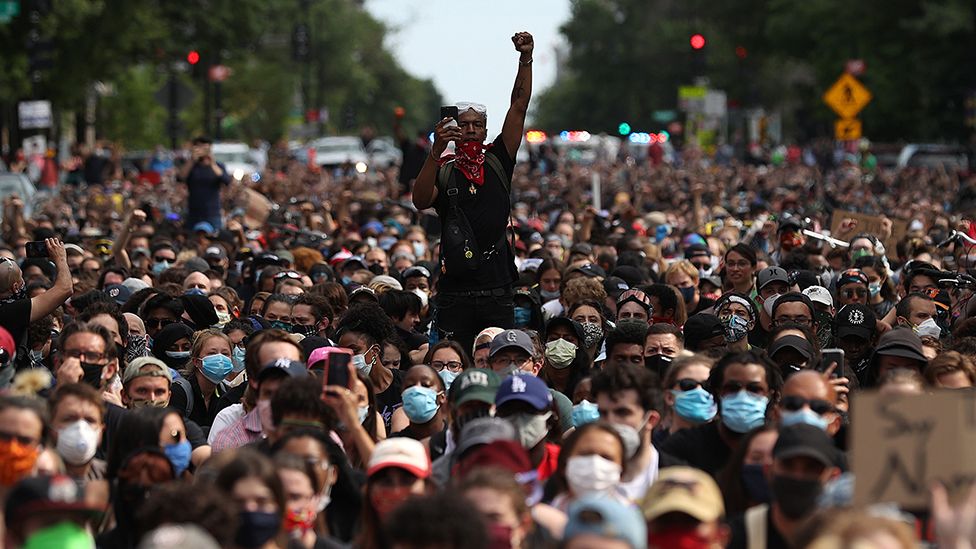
[236,157]
[19,184]
[336,151]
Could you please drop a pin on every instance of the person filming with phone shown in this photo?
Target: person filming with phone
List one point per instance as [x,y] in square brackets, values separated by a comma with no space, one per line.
[18,310]
[471,193]
[203,176]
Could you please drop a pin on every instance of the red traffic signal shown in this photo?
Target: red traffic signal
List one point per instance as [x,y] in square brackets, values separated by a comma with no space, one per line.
[697,41]
[193,57]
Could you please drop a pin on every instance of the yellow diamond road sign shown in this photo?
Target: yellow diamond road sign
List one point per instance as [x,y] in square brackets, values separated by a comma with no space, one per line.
[847,96]
[847,130]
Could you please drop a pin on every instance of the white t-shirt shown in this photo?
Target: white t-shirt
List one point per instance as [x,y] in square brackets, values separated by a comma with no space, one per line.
[225,418]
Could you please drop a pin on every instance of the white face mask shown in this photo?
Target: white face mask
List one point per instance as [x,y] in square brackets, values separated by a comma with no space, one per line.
[78,442]
[929,328]
[591,474]
[423,297]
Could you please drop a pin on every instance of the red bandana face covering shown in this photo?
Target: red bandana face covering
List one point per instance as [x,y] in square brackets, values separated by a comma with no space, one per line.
[470,159]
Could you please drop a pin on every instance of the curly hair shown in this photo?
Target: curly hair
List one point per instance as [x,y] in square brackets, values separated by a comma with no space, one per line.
[583,289]
[369,320]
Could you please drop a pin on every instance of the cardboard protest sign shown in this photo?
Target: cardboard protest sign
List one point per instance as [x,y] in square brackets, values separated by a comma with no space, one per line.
[902,444]
[869,224]
[257,208]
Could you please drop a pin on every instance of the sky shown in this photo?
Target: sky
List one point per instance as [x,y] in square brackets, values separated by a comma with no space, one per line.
[466,47]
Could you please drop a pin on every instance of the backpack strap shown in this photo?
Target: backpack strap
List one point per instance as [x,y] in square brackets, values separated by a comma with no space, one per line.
[185,385]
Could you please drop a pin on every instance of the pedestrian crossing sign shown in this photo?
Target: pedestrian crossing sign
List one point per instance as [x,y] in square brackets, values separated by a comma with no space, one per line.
[847,96]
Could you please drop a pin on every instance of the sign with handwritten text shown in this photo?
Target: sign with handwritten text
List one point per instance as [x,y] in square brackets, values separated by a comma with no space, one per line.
[902,444]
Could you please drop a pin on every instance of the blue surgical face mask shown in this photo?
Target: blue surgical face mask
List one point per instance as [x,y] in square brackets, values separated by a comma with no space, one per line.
[523,316]
[420,404]
[804,415]
[419,249]
[237,357]
[359,362]
[696,405]
[179,455]
[195,291]
[743,411]
[346,281]
[448,377]
[179,355]
[548,296]
[160,266]
[874,289]
[585,412]
[216,367]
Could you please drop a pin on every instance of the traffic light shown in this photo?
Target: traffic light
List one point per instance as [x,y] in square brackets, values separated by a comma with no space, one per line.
[697,41]
[741,52]
[193,57]
[624,128]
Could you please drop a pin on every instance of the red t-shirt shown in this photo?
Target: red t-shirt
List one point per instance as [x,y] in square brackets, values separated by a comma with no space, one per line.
[549,462]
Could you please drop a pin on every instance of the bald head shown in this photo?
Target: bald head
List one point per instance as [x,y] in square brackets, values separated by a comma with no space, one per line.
[810,384]
[11,278]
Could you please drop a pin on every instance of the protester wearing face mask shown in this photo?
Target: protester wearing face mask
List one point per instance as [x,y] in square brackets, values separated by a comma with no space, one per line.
[311,315]
[704,332]
[24,423]
[226,304]
[823,314]
[808,397]
[684,276]
[591,462]
[744,384]
[364,329]
[398,469]
[269,359]
[424,406]
[790,348]
[852,287]
[405,308]
[684,509]
[802,465]
[172,345]
[77,421]
[855,332]
[525,402]
[881,292]
[918,312]
[688,402]
[738,318]
[251,481]
[900,348]
[549,280]
[627,397]
[448,359]
[565,363]
[590,316]
[501,501]
[743,479]
[511,353]
[634,304]
[210,363]
[471,397]
[482,346]
[301,499]
[160,311]
[49,511]
[662,345]
[277,311]
[771,283]
[88,354]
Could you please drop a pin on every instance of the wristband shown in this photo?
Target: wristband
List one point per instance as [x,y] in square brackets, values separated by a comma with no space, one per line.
[525,63]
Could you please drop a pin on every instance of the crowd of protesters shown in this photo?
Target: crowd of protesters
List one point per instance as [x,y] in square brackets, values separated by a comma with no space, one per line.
[181,368]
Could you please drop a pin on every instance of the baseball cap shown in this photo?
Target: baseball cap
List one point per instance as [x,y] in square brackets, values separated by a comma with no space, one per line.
[490,333]
[321,354]
[804,440]
[697,250]
[511,338]
[566,322]
[633,276]
[366,292]
[402,453]
[215,252]
[352,261]
[700,327]
[416,270]
[852,276]
[806,278]
[614,286]
[855,319]
[483,430]
[46,494]
[581,248]
[146,366]
[606,517]
[203,227]
[589,270]
[771,274]
[507,455]
[684,490]
[134,284]
[794,342]
[119,293]
[291,368]
[819,294]
[385,280]
[474,384]
[528,389]
[902,342]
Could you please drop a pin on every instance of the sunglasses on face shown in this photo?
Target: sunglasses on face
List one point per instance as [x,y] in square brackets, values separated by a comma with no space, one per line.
[159,322]
[159,259]
[796,403]
[732,387]
[688,384]
[852,292]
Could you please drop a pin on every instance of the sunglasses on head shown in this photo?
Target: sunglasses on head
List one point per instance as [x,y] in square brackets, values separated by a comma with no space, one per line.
[287,274]
[635,295]
[796,403]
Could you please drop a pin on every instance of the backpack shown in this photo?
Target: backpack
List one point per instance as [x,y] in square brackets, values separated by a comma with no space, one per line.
[459,247]
[188,390]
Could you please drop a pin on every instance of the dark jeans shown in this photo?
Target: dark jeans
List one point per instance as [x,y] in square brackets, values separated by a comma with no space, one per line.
[461,315]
